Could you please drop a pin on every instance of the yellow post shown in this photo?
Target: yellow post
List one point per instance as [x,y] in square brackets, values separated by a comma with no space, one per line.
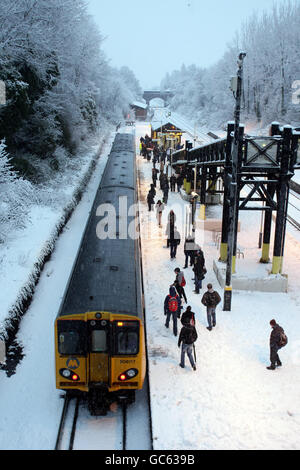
[265,258]
[276,265]
[233,264]
[223,252]
[202,215]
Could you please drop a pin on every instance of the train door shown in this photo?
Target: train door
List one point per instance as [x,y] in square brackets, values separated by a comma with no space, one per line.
[99,363]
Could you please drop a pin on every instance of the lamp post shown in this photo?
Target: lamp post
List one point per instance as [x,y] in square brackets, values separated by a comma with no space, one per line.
[233,185]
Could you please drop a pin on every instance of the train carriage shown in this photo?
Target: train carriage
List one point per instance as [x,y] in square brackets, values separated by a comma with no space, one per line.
[99,333]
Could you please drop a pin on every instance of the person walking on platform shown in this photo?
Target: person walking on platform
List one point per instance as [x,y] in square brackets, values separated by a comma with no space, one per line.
[189,245]
[170,227]
[150,200]
[159,210]
[163,156]
[165,190]
[154,176]
[199,270]
[173,182]
[172,308]
[278,340]
[211,299]
[174,242]
[188,336]
[179,182]
[179,283]
[188,317]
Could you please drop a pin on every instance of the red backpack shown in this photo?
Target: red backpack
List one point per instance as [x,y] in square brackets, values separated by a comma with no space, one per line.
[172,304]
[183,283]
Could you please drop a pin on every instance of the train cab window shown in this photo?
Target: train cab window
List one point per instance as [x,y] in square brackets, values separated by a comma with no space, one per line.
[127,338]
[99,341]
[71,337]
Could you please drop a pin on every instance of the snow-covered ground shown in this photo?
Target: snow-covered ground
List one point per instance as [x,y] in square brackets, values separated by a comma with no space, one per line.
[230,402]
[30,406]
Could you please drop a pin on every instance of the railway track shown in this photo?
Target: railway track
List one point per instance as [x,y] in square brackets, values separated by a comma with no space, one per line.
[62,429]
[121,429]
[289,218]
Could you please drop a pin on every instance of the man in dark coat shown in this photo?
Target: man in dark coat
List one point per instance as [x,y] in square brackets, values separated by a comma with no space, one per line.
[172,308]
[174,242]
[188,336]
[211,299]
[173,182]
[170,227]
[150,200]
[276,342]
[188,317]
[199,270]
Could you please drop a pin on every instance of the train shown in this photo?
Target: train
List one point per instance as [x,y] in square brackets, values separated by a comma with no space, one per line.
[100,351]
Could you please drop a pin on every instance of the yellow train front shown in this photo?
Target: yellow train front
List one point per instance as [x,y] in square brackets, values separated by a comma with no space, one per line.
[99,330]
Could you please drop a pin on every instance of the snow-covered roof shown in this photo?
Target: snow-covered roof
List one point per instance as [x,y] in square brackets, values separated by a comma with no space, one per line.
[165,116]
[139,104]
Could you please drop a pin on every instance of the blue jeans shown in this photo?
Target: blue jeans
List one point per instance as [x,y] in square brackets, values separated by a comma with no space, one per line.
[174,315]
[198,284]
[187,348]
[211,316]
[173,250]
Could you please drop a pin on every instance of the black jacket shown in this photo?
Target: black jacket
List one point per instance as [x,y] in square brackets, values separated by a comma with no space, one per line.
[187,316]
[199,265]
[275,336]
[188,335]
[211,299]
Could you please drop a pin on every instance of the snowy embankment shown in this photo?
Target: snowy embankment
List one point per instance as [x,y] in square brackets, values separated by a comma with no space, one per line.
[231,401]
[30,405]
[23,257]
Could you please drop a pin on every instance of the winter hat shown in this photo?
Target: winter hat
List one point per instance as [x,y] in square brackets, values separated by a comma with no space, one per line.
[273,322]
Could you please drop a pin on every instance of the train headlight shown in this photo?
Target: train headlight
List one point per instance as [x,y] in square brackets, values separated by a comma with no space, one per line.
[69,374]
[131,373]
[66,373]
[128,374]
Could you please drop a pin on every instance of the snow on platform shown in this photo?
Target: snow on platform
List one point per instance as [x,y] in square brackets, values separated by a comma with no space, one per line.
[231,401]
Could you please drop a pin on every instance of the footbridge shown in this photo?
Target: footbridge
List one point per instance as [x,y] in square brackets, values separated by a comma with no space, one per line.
[264,164]
[165,95]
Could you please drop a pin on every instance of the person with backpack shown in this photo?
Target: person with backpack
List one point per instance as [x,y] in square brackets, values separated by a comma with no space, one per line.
[278,340]
[180,283]
[188,336]
[188,317]
[211,299]
[172,308]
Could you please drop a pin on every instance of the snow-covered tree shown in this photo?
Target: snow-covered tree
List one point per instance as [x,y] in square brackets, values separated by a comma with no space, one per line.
[272,43]
[17,194]
[59,84]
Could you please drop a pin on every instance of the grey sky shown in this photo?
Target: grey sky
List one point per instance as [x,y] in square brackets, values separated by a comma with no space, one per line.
[157,36]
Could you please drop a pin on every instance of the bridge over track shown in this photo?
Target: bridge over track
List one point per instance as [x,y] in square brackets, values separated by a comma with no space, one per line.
[265,164]
[151,94]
